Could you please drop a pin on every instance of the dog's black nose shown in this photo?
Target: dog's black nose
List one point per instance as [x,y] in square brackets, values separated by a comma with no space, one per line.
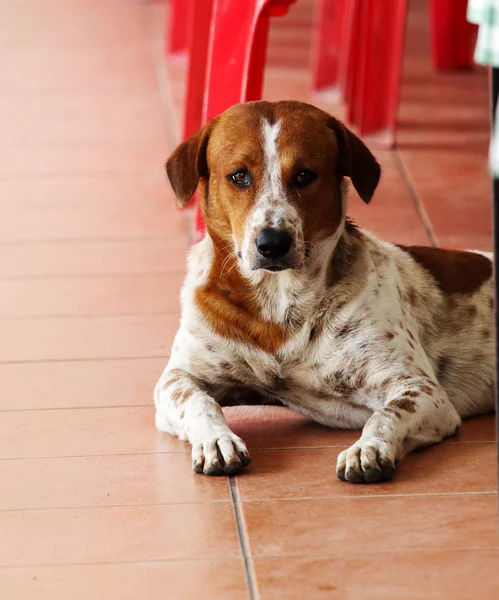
[273,243]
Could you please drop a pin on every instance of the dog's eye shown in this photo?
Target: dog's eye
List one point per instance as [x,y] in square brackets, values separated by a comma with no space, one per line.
[305,178]
[241,178]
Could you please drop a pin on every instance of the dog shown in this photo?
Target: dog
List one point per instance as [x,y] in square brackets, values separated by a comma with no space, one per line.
[287,300]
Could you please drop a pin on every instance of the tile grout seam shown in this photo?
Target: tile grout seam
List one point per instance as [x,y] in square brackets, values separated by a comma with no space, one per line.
[248,563]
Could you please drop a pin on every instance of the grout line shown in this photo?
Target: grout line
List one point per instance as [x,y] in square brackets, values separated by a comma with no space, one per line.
[71,456]
[43,361]
[167,452]
[423,215]
[59,408]
[105,506]
[87,316]
[136,561]
[248,564]
[372,497]
[111,275]
[352,555]
[146,237]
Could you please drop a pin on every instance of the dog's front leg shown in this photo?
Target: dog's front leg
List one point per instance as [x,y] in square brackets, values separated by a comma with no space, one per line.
[184,409]
[417,412]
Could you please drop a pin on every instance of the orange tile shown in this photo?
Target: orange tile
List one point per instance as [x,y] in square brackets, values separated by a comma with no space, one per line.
[356,525]
[196,580]
[310,473]
[83,432]
[95,257]
[118,534]
[118,295]
[87,337]
[80,222]
[99,383]
[476,429]
[412,576]
[83,117]
[391,214]
[131,192]
[277,427]
[33,159]
[140,479]
[455,189]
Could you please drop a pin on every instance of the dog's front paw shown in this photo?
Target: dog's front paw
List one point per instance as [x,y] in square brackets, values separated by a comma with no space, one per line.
[223,455]
[367,461]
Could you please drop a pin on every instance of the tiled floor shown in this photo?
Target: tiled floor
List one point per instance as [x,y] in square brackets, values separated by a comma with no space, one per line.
[94,503]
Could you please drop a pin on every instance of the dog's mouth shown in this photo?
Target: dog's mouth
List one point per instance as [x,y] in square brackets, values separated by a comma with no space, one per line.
[274,266]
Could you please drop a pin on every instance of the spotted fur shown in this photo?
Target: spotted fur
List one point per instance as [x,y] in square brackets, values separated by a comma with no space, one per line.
[353,333]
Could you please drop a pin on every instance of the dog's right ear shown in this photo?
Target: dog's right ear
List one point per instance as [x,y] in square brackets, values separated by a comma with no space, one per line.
[187,164]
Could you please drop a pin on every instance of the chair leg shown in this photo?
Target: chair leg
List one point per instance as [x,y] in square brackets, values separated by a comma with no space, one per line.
[329,48]
[176,35]
[199,32]
[452,36]
[380,67]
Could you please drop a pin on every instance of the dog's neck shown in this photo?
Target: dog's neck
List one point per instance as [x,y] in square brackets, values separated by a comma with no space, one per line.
[288,297]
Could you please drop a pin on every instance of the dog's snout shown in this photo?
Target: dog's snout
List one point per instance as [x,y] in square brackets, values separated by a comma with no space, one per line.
[273,243]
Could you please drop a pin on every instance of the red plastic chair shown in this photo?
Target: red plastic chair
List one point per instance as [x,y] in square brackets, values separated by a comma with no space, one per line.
[360,55]
[452,36]
[177,26]
[227,66]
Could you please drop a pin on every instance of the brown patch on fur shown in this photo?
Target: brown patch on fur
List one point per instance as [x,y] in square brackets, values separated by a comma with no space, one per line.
[410,394]
[179,397]
[393,411]
[425,389]
[486,333]
[404,404]
[182,415]
[455,271]
[412,296]
[236,316]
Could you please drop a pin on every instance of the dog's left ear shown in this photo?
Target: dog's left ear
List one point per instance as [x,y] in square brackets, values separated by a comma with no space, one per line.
[356,161]
[187,164]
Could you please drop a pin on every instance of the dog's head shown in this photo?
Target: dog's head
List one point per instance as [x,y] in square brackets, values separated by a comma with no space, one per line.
[271,177]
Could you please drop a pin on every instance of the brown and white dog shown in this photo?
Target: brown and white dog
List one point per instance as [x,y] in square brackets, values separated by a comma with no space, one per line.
[287,299]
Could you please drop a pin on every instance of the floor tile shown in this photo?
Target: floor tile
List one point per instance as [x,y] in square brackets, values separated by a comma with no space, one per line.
[276,427]
[82,222]
[311,473]
[371,524]
[70,338]
[195,580]
[412,576]
[118,295]
[83,432]
[79,384]
[392,213]
[36,159]
[128,191]
[117,534]
[94,257]
[106,481]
